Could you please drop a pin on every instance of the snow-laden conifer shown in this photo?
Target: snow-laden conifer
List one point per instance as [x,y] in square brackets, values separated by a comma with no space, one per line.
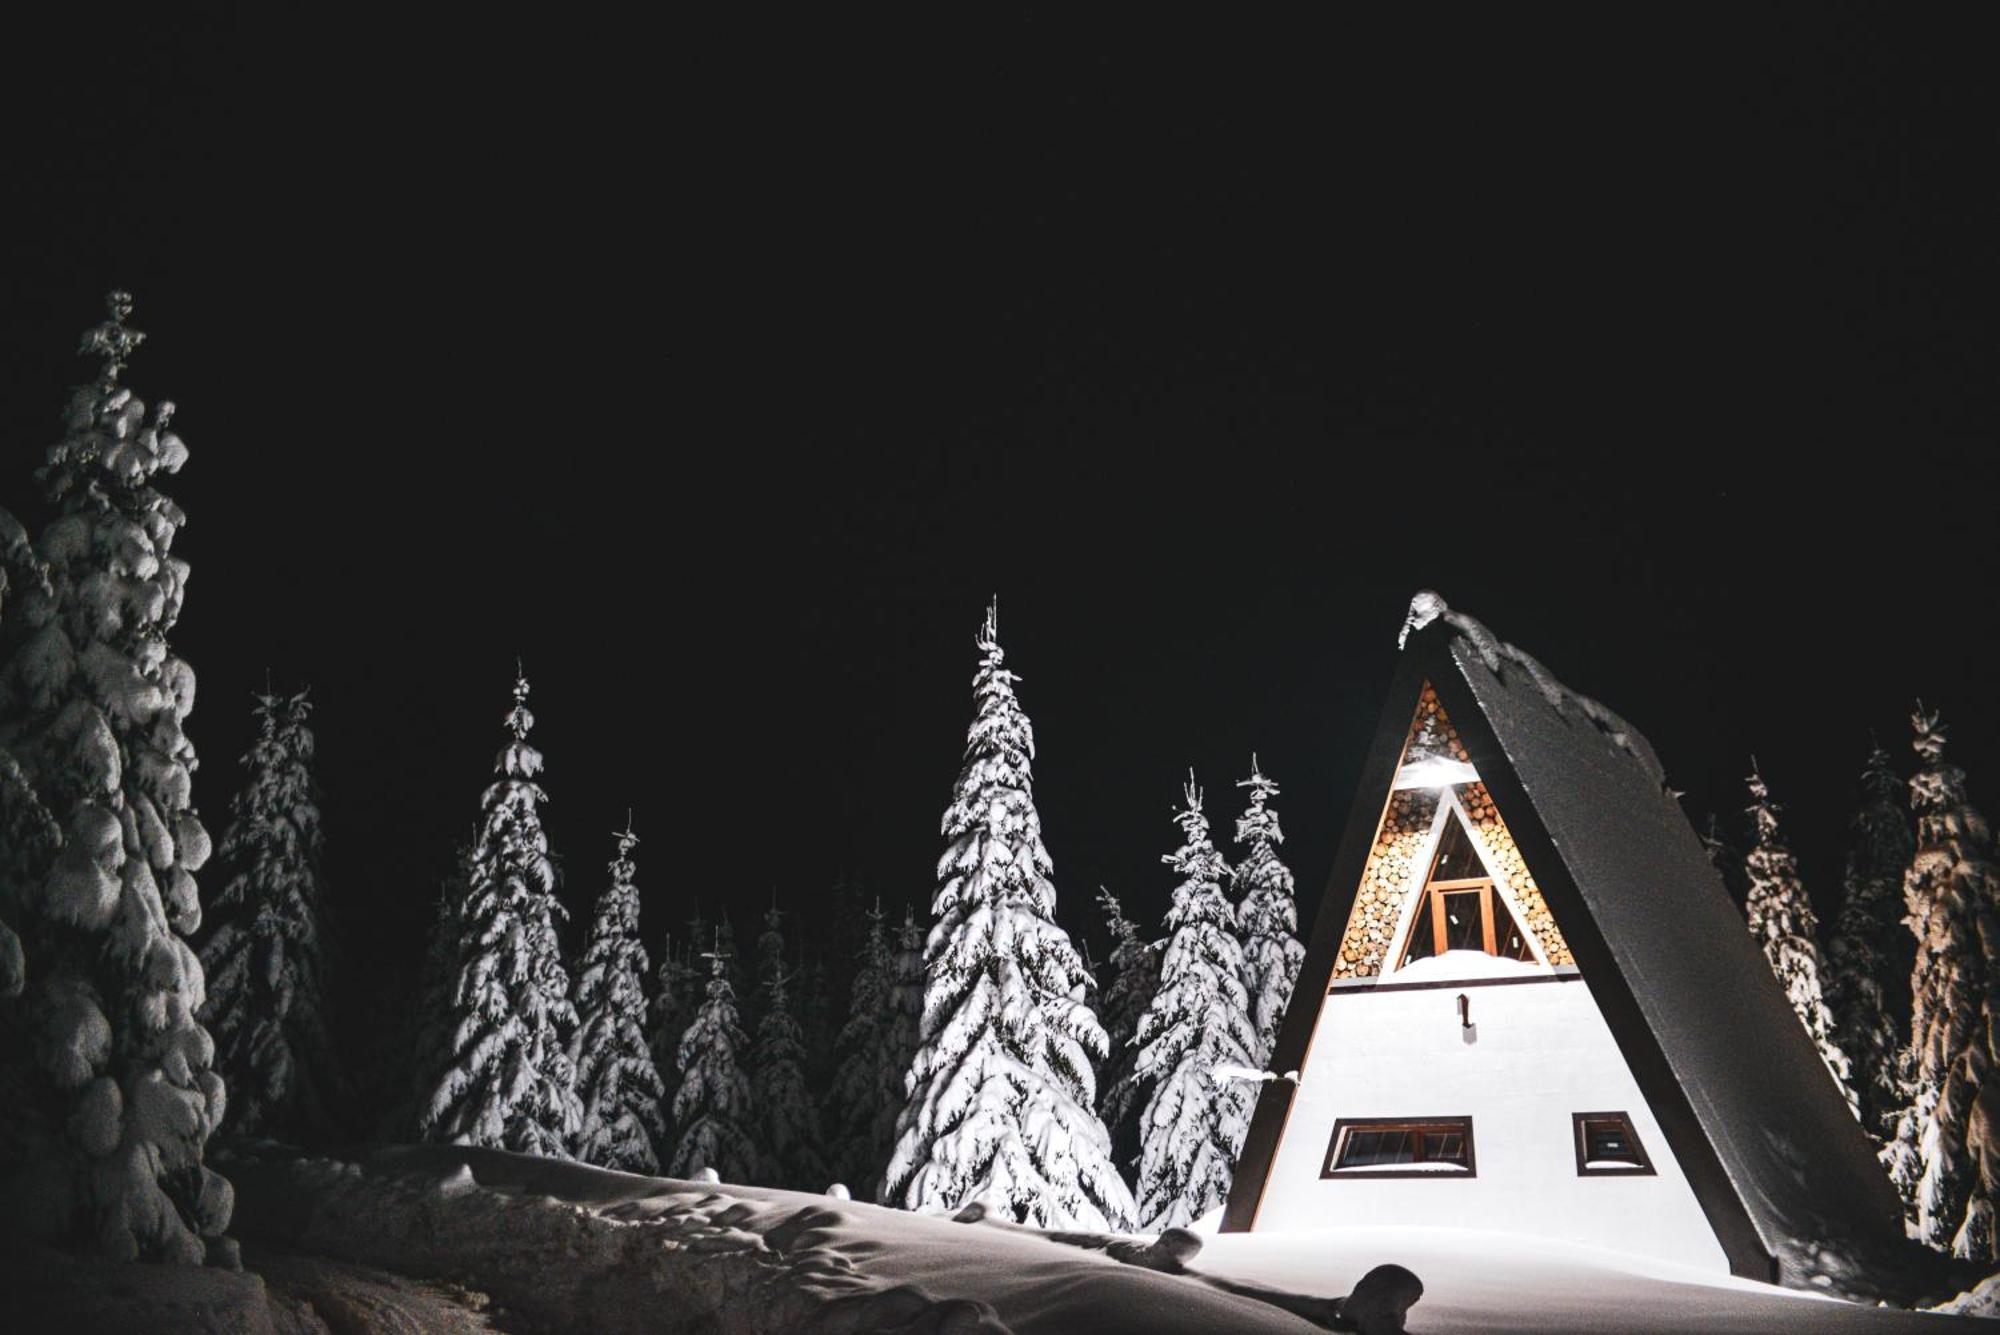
[264,951]
[1946,1153]
[510,1084]
[1198,1022]
[1002,1097]
[121,1100]
[1135,977]
[818,1014]
[615,1076]
[908,982]
[867,1089]
[1782,921]
[676,997]
[29,835]
[712,1107]
[1870,945]
[1267,915]
[434,1022]
[787,1118]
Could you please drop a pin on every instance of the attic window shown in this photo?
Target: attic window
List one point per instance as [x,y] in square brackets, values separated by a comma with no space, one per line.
[1400,1147]
[1607,1146]
[1459,909]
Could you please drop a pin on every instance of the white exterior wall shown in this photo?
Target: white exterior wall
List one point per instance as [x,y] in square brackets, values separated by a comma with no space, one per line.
[1541,1052]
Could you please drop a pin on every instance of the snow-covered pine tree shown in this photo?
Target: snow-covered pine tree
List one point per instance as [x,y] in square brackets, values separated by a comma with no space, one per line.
[510,1084]
[1267,915]
[434,1020]
[712,1107]
[29,835]
[92,703]
[1198,1022]
[1135,977]
[787,1118]
[1870,944]
[1782,921]
[263,951]
[771,945]
[908,982]
[615,1076]
[1945,1156]
[818,1016]
[1002,1098]
[867,1089]
[676,997]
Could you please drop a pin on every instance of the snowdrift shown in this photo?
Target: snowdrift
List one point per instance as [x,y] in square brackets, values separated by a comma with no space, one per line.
[428,1238]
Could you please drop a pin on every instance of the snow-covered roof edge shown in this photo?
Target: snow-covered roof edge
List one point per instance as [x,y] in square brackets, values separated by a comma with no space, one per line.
[1428,605]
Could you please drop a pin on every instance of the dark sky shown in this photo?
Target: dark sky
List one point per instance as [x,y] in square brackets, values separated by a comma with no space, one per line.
[722,376]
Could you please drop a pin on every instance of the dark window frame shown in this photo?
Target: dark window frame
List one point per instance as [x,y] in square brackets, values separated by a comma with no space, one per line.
[1580,1143]
[1459,1123]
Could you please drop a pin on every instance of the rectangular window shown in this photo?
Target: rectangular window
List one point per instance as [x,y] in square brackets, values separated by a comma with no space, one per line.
[1607,1146]
[1400,1147]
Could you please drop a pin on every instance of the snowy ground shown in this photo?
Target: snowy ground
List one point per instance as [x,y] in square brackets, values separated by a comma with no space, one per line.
[437,1239]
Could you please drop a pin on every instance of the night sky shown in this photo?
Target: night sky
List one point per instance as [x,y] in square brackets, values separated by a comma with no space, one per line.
[723,376]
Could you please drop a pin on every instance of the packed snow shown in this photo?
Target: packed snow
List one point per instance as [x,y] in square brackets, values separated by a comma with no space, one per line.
[459,1235]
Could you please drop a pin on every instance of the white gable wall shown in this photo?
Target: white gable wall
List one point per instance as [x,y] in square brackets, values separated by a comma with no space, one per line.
[1540,1052]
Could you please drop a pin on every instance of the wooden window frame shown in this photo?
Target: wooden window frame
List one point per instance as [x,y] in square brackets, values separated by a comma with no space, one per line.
[1644,1168]
[1461,1124]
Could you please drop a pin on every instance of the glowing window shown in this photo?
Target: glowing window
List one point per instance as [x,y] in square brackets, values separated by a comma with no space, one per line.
[1400,1147]
[1607,1146]
[1460,910]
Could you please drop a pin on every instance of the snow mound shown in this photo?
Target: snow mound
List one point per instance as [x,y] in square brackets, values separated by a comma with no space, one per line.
[570,1247]
[1479,1283]
[1465,965]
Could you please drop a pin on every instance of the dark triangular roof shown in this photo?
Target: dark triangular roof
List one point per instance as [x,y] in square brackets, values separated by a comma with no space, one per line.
[1783,1171]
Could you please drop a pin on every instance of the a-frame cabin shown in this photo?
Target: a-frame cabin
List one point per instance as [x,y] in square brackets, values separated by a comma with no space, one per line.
[1529,1006]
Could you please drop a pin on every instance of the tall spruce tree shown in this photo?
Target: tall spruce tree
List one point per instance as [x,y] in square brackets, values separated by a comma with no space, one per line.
[1871,945]
[1002,1097]
[264,952]
[1946,1153]
[1198,1023]
[1782,921]
[1267,915]
[867,1090]
[510,1084]
[29,835]
[908,982]
[615,1077]
[675,1000]
[119,1101]
[1135,977]
[434,1021]
[712,1107]
[787,1117]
